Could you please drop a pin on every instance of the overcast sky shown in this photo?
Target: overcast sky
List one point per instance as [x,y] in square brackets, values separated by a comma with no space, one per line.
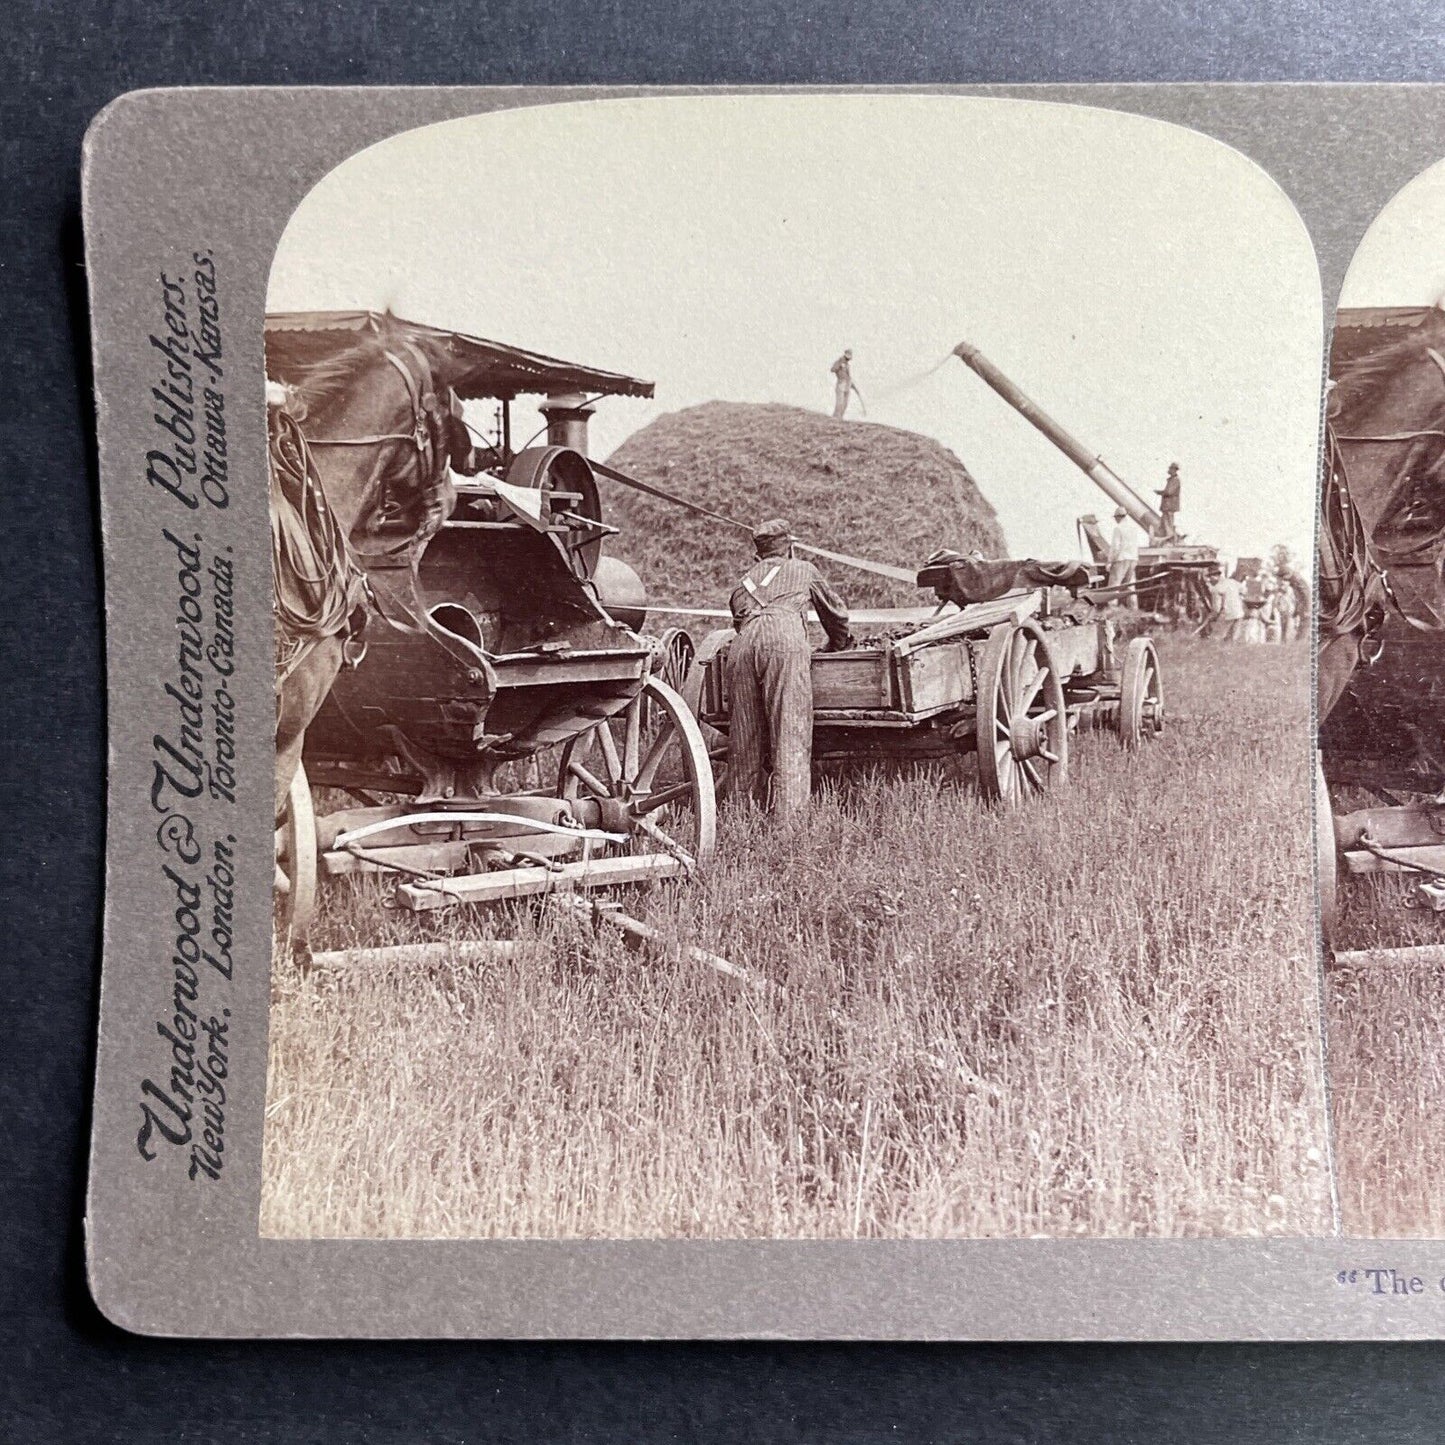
[1401,261]
[1149,287]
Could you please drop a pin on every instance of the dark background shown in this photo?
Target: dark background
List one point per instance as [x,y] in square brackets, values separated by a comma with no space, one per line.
[66,1374]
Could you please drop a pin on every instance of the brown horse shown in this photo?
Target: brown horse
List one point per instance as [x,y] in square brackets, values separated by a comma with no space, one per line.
[361,455]
[1383,505]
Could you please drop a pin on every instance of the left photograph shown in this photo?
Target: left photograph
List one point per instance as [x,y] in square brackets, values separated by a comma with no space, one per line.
[747,765]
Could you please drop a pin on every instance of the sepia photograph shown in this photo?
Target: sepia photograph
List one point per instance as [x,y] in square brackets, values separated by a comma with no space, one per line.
[1381,774]
[794,675]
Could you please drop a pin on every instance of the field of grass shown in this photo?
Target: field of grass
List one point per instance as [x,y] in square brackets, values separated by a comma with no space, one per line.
[1095,1016]
[1376,911]
[1387,1083]
[1386,1038]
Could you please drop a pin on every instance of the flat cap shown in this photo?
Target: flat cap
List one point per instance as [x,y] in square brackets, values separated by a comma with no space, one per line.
[777,527]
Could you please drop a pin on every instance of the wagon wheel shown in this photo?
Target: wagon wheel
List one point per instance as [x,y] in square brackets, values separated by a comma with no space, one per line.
[1327,861]
[650,767]
[1141,695]
[296,860]
[675,653]
[691,690]
[1022,726]
[671,663]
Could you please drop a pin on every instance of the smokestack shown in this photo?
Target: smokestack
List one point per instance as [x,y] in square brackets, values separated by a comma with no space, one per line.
[567,415]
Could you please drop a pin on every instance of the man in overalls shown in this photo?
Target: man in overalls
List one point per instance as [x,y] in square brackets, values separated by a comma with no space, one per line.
[769,677]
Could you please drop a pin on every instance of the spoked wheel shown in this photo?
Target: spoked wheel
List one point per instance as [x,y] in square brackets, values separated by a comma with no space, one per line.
[649,767]
[675,653]
[671,664]
[715,742]
[1022,726]
[296,861]
[1327,858]
[1141,695]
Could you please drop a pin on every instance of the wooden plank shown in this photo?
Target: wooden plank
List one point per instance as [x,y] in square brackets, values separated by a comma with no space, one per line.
[980,617]
[857,678]
[467,526]
[1077,650]
[433,857]
[566,669]
[417,955]
[1357,860]
[1425,955]
[862,717]
[1408,825]
[935,679]
[638,932]
[527,882]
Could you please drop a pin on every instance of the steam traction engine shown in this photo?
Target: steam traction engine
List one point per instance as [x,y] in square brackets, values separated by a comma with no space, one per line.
[508,641]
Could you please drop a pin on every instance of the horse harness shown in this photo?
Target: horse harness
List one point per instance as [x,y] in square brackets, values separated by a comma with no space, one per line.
[429,420]
[1363,583]
[320,587]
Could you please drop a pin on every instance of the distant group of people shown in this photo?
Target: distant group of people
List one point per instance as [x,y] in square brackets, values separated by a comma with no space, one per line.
[1260,604]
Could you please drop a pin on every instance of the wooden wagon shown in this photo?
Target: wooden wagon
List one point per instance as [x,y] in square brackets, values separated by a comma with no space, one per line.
[1009,679]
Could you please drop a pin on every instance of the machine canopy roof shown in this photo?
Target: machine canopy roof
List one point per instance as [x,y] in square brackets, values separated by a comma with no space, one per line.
[301,339]
[1361,330]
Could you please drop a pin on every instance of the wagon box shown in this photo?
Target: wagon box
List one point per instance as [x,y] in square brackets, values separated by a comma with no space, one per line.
[1009,678]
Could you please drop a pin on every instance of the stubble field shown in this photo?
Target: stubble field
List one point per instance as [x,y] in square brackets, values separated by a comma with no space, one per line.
[1095,1016]
[1387,1061]
[1386,1036]
[1387,1078]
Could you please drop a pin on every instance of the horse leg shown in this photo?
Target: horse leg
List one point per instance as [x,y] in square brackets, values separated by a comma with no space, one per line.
[300,699]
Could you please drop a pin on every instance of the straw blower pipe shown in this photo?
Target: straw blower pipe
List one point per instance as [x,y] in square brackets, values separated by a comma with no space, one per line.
[1090,463]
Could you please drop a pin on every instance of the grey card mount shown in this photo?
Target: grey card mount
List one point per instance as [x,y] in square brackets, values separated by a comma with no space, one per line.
[724,721]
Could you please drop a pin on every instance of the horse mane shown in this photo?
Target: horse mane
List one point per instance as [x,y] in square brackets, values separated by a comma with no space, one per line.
[1359,379]
[319,384]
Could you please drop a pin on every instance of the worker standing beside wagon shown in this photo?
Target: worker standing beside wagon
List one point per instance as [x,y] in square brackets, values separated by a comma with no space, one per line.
[1226,615]
[769,671]
[1124,560]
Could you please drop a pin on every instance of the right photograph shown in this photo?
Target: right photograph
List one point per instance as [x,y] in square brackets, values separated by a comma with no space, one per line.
[1380,775]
